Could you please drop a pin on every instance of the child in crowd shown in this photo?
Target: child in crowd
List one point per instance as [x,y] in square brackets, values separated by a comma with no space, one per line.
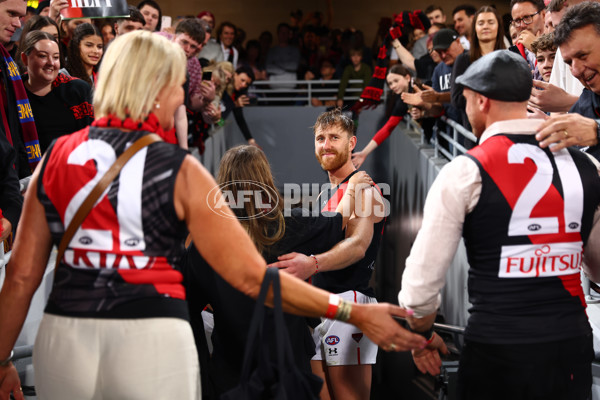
[358,70]
[327,70]
[544,50]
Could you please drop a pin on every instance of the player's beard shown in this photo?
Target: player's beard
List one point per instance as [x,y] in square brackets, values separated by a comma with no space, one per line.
[331,164]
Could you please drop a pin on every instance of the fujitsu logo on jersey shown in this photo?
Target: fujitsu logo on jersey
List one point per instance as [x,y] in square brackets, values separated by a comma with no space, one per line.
[529,261]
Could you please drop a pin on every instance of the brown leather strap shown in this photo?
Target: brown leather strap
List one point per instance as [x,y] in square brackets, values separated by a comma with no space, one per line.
[97,191]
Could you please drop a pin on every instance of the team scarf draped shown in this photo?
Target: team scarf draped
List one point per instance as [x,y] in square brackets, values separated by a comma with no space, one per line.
[403,24]
[22,108]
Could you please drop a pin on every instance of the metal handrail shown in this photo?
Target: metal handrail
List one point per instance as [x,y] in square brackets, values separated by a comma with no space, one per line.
[302,91]
[449,328]
[21,352]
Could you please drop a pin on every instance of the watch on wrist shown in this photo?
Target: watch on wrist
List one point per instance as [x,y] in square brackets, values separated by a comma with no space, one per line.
[7,361]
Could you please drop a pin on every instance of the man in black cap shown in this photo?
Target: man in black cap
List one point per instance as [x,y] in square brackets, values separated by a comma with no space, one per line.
[43,8]
[433,102]
[525,214]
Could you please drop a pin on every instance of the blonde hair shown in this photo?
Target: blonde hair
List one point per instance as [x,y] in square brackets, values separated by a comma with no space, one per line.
[135,68]
[219,69]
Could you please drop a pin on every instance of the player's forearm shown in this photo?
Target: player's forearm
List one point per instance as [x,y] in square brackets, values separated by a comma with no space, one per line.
[345,253]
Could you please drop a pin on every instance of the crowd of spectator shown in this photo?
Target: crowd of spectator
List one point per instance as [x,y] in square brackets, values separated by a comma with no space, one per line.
[308,47]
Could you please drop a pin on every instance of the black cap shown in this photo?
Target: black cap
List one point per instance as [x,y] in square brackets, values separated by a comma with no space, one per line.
[444,38]
[501,75]
[41,5]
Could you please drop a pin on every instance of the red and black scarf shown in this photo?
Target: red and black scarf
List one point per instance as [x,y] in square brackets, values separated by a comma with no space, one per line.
[404,23]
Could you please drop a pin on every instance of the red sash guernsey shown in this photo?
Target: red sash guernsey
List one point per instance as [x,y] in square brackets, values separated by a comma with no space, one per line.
[119,234]
[525,238]
[356,276]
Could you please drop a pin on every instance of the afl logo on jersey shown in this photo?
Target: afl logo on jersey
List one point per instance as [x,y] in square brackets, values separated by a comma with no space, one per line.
[573,225]
[332,340]
[132,242]
[85,240]
[534,227]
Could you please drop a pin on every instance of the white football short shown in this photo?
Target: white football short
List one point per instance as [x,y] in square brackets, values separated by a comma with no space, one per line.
[340,343]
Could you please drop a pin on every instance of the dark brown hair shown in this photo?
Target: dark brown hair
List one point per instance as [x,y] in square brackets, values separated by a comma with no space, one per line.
[74,64]
[475,51]
[246,168]
[544,42]
[36,23]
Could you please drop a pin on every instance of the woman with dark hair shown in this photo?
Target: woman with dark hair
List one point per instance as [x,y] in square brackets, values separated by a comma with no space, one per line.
[38,23]
[399,81]
[252,58]
[60,104]
[235,98]
[243,169]
[487,35]
[152,14]
[85,52]
[107,28]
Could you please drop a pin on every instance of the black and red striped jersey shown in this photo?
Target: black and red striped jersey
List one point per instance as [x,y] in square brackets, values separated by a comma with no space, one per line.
[525,240]
[355,276]
[125,251]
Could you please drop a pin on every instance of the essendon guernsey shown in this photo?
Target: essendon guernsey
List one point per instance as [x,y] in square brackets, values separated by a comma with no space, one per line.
[120,261]
[525,241]
[356,276]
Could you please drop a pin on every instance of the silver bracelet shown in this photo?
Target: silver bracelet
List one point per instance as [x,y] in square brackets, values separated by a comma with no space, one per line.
[343,311]
[4,363]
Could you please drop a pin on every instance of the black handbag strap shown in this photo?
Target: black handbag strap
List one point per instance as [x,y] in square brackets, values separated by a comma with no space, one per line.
[256,325]
[282,345]
[284,349]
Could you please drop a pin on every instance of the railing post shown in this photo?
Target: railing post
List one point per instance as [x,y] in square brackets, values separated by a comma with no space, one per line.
[436,144]
[455,139]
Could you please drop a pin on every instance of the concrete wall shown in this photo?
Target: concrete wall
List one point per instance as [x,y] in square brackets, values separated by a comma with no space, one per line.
[285,135]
